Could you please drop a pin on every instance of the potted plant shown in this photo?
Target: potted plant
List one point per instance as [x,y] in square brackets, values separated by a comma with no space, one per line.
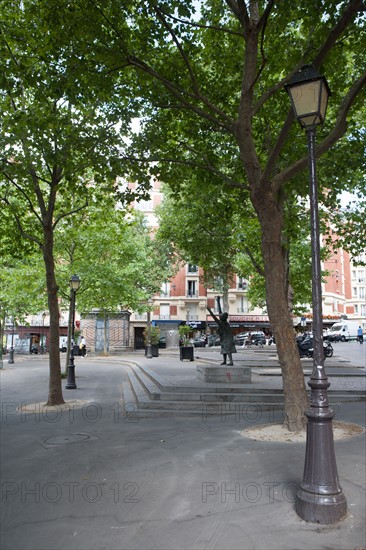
[186,349]
[154,340]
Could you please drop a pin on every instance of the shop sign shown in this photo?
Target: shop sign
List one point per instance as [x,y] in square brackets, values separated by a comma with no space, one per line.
[197,325]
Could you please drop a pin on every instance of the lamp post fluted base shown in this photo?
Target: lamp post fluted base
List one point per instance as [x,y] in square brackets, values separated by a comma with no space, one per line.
[71,384]
[320,498]
[323,509]
[11,356]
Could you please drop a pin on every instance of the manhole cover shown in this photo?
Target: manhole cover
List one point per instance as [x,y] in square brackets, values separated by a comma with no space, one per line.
[66,439]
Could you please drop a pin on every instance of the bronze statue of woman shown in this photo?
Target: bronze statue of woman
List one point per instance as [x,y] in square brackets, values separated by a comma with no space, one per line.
[226,337]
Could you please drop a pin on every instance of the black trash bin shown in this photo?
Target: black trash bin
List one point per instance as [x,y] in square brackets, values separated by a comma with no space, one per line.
[77,350]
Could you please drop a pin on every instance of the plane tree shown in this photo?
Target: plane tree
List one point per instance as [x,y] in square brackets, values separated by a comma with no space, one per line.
[58,141]
[112,250]
[210,76]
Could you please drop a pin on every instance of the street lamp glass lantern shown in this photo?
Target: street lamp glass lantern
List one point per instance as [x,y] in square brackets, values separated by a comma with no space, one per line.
[309,93]
[75,282]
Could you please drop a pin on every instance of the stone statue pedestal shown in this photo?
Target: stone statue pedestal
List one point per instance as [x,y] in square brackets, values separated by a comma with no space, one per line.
[224,374]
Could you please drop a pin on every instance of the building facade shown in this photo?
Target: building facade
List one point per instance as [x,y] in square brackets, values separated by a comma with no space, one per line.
[185,299]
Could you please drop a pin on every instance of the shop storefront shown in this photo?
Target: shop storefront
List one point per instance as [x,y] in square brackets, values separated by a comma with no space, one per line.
[243,323]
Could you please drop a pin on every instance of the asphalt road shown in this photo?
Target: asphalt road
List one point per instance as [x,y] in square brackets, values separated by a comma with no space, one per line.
[351,351]
[91,478]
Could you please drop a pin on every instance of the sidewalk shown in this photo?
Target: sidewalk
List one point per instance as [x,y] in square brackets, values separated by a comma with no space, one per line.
[91,477]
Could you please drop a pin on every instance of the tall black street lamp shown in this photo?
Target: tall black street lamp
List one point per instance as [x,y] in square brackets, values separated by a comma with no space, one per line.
[74,286]
[11,351]
[319,498]
[42,335]
[149,347]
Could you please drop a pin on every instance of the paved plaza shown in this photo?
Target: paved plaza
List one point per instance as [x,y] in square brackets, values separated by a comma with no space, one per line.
[90,476]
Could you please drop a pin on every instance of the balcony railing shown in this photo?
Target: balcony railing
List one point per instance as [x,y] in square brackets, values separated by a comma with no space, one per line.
[191,294]
[242,310]
[164,316]
[141,316]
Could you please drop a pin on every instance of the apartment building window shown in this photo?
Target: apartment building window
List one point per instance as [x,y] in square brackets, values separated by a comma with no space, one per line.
[191,289]
[192,312]
[165,289]
[243,305]
[144,206]
[363,310]
[355,307]
[361,292]
[361,276]
[354,274]
[242,283]
[192,268]
[354,291]
[164,311]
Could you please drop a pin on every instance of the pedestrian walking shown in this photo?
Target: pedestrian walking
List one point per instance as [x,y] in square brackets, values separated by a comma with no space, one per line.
[360,335]
[83,347]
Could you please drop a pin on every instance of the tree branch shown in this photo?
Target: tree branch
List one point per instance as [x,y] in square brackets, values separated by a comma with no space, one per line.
[262,25]
[199,26]
[65,214]
[180,49]
[240,11]
[179,93]
[26,235]
[334,135]
[208,167]
[256,265]
[22,192]
[350,11]
[348,14]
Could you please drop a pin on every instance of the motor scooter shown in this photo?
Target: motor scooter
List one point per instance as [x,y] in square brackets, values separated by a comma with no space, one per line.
[305,345]
[306,348]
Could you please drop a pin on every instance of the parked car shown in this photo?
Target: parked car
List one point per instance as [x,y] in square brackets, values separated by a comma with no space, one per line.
[213,340]
[162,342]
[256,337]
[200,342]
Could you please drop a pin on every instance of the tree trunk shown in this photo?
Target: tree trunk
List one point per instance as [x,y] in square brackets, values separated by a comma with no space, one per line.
[276,275]
[225,299]
[55,396]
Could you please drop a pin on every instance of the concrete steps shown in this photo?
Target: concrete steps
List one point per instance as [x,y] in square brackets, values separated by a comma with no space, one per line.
[147,394]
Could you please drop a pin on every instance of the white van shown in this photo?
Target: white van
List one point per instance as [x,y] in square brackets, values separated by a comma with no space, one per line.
[343,331]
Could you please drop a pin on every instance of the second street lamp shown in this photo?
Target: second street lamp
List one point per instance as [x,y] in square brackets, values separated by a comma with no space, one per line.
[74,286]
[319,498]
[42,335]
[149,347]
[11,352]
